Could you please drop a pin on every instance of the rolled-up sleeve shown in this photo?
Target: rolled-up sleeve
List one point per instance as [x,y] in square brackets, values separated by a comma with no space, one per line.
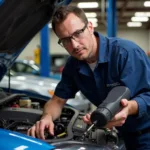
[66,88]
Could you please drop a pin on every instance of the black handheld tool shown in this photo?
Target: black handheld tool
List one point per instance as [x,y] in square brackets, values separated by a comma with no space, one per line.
[110,106]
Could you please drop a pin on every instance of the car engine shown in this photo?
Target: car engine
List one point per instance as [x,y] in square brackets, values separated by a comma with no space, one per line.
[18,112]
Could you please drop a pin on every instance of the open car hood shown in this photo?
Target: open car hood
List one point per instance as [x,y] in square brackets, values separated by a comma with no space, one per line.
[20,21]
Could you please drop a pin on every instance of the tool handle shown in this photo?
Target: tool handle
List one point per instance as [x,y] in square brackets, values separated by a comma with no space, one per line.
[110,106]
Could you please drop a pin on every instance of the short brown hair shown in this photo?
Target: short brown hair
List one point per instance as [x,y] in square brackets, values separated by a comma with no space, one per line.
[63,11]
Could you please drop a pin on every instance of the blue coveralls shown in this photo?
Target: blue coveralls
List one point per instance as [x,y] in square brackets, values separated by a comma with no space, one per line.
[120,62]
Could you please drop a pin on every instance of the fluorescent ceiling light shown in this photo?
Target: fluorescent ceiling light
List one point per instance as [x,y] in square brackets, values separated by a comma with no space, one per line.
[134,24]
[92,14]
[95,24]
[141,19]
[147,3]
[88,5]
[142,14]
[92,19]
[50,25]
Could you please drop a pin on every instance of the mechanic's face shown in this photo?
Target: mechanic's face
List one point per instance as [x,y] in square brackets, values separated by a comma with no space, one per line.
[76,37]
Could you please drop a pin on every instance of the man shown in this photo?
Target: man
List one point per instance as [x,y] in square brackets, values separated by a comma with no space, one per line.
[98,64]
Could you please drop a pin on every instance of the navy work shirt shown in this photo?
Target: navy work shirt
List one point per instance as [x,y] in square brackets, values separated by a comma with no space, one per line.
[120,62]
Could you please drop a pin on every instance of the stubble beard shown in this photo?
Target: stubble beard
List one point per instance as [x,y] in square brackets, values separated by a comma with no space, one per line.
[83,56]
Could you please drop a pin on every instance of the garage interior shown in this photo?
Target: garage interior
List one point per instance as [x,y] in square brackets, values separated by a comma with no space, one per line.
[30,74]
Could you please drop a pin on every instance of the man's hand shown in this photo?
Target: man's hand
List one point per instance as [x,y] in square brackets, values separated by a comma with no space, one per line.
[37,130]
[129,108]
[120,118]
[86,118]
[51,111]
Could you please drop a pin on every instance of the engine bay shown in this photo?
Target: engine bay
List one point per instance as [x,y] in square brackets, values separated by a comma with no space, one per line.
[18,113]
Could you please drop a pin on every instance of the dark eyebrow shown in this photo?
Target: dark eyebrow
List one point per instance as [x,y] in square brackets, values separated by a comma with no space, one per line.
[77,31]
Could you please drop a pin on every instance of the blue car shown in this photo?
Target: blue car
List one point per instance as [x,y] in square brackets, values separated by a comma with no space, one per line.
[18,141]
[15,141]
[20,21]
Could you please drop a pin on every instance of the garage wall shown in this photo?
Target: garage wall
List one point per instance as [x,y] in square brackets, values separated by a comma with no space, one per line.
[149,40]
[140,37]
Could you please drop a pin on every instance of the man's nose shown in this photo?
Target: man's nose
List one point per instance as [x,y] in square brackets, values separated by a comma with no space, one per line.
[74,43]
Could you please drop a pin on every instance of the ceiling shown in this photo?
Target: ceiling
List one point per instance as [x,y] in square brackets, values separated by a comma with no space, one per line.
[125,10]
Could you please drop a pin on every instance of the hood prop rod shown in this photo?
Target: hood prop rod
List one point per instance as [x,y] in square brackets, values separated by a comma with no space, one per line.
[9,91]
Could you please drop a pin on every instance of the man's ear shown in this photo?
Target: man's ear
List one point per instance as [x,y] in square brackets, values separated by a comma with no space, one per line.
[90,27]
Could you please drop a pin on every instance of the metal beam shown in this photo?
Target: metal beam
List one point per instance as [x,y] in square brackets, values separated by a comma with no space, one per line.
[148,25]
[45,56]
[77,1]
[111,19]
[124,7]
[144,9]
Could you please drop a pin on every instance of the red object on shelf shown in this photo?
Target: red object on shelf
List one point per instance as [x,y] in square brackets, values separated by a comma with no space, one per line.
[15,106]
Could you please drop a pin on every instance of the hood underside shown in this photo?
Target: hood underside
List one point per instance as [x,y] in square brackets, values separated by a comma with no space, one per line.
[20,21]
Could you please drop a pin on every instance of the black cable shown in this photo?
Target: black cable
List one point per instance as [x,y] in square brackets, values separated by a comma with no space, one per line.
[14,124]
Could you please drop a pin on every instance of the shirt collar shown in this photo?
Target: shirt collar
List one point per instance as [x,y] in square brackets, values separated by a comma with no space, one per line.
[103,48]
[103,51]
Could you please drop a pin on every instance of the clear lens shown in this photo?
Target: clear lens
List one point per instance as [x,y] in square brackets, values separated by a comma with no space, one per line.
[76,36]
